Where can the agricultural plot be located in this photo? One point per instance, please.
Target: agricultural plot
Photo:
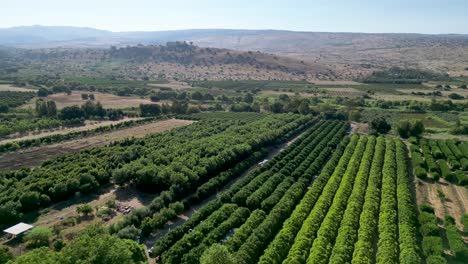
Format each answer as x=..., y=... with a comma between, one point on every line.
x=107, y=100
x=174, y=161
x=35, y=156
x=270, y=193
x=441, y=166
x=349, y=202
x=441, y=158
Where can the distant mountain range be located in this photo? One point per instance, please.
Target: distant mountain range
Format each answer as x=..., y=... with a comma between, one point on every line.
x=263, y=40
x=347, y=55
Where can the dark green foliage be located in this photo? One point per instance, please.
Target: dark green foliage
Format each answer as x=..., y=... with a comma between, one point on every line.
x=10, y=99
x=432, y=246
x=46, y=108
x=5, y=255
x=380, y=126
x=404, y=76
x=179, y=160
x=455, y=240
x=408, y=129
x=150, y=110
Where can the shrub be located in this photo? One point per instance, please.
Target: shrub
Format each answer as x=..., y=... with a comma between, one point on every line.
x=38, y=237
x=435, y=260
x=420, y=172
x=426, y=208
x=432, y=245
x=435, y=176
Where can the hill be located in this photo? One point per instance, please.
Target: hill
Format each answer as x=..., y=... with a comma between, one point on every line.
x=175, y=60
x=345, y=55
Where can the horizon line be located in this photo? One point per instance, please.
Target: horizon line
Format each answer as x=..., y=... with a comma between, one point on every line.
x=232, y=29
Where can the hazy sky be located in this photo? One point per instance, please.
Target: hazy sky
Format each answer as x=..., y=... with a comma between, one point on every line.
x=420, y=16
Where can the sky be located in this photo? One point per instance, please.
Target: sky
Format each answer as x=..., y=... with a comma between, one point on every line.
x=373, y=16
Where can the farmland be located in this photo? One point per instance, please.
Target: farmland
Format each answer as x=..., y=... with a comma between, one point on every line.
x=36, y=155
x=175, y=153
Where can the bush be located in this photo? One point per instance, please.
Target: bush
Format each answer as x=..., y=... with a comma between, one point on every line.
x=5, y=255
x=435, y=260
x=420, y=172
x=104, y=212
x=432, y=245
x=426, y=208
x=84, y=209
x=38, y=237
x=455, y=240
x=464, y=221
x=129, y=232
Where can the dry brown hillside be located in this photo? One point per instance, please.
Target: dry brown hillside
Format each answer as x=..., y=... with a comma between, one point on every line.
x=175, y=60
x=349, y=55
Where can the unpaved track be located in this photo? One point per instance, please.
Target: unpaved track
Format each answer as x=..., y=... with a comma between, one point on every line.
x=35, y=156
x=89, y=125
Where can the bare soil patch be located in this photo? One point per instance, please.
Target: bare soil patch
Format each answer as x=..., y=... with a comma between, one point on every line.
x=107, y=100
x=35, y=156
x=454, y=204
x=360, y=128
x=9, y=87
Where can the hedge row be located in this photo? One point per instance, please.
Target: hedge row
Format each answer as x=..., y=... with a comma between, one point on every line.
x=245, y=230
x=342, y=251
x=350, y=196
x=175, y=253
x=387, y=246
x=300, y=249
x=215, y=235
x=251, y=250
x=455, y=240
x=407, y=218
x=368, y=221
x=432, y=245
x=279, y=247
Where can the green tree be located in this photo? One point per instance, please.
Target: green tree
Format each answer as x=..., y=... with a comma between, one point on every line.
x=72, y=112
x=5, y=255
x=38, y=237
x=407, y=129
x=217, y=254
x=197, y=96
x=304, y=107
x=41, y=255
x=96, y=246
x=248, y=98
x=30, y=200
x=84, y=209
x=380, y=126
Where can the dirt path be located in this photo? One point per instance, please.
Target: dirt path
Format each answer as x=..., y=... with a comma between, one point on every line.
x=35, y=156
x=89, y=125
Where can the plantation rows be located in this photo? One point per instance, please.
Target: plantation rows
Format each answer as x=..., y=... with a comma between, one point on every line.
x=176, y=161
x=311, y=204
x=441, y=158
x=9, y=99
x=257, y=204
